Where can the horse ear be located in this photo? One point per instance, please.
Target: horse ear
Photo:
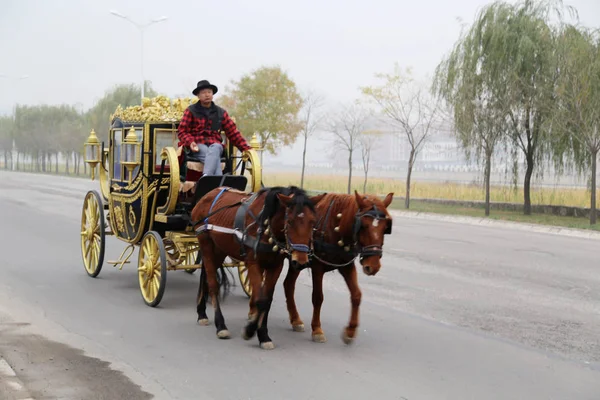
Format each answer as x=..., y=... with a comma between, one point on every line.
x=316, y=199
x=359, y=200
x=285, y=200
x=388, y=199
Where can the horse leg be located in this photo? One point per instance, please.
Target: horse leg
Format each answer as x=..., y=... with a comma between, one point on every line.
x=211, y=261
x=349, y=274
x=317, y=299
x=255, y=282
x=289, y=286
x=255, y=274
x=264, y=306
x=201, y=299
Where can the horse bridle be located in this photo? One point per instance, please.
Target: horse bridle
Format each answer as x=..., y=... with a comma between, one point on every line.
x=363, y=251
x=370, y=250
x=289, y=246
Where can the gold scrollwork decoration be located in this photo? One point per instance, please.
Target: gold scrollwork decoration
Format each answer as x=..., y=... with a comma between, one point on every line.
x=132, y=219
x=119, y=218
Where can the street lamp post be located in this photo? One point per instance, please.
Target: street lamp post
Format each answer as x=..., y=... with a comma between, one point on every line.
x=141, y=28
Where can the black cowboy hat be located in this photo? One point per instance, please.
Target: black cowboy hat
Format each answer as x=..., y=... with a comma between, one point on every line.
x=203, y=85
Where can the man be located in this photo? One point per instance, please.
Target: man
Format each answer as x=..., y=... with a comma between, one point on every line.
x=199, y=130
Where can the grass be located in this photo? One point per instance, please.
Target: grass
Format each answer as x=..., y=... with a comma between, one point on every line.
x=577, y=197
x=503, y=215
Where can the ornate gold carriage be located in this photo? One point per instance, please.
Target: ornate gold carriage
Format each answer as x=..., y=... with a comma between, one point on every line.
x=148, y=190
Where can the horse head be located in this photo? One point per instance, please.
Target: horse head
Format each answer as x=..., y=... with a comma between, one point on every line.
x=371, y=223
x=294, y=223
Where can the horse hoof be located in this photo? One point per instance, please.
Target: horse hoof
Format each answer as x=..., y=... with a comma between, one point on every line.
x=347, y=339
x=267, y=346
x=203, y=322
x=245, y=335
x=298, y=328
x=224, y=334
x=319, y=338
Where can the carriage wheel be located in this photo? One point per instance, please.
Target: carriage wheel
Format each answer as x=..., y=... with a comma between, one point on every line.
x=152, y=268
x=244, y=279
x=92, y=233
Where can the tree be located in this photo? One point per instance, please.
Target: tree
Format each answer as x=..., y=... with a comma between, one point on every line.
x=98, y=117
x=6, y=139
x=266, y=102
x=367, y=140
x=476, y=95
x=408, y=108
x=579, y=101
x=347, y=128
x=310, y=122
x=513, y=46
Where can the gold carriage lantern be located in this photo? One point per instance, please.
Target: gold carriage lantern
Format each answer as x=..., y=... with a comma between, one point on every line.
x=255, y=143
x=92, y=151
x=130, y=156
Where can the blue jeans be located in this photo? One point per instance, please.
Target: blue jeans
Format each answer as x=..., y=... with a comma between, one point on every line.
x=210, y=156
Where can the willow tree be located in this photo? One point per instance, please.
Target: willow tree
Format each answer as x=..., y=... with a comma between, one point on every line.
x=513, y=48
x=578, y=117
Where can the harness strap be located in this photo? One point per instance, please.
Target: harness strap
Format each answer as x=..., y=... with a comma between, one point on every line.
x=215, y=202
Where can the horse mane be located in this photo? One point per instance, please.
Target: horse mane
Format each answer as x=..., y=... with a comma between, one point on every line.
x=344, y=204
x=271, y=205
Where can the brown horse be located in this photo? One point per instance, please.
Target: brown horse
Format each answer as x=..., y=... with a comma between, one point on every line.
x=261, y=229
x=349, y=226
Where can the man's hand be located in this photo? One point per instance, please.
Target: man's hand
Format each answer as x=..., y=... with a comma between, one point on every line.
x=194, y=147
x=245, y=156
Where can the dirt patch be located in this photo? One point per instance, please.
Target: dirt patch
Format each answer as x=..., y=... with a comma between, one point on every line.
x=52, y=370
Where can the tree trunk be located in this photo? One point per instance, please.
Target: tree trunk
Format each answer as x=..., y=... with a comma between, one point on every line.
x=56, y=166
x=349, y=171
x=488, y=170
x=67, y=157
x=593, y=200
x=527, y=184
x=18, y=156
x=6, y=159
x=411, y=161
x=303, y=162
x=365, y=182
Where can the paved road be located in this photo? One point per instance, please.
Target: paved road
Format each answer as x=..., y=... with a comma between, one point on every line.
x=457, y=312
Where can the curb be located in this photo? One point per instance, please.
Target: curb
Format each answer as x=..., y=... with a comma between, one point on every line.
x=554, y=230
x=10, y=384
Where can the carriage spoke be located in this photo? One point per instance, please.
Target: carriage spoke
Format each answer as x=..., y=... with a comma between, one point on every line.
x=156, y=283
x=94, y=257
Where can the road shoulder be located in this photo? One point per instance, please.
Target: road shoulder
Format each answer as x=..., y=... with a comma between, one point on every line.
x=475, y=221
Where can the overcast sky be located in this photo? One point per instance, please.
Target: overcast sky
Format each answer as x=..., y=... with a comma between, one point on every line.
x=73, y=50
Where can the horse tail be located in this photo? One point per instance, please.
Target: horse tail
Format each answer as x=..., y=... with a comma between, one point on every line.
x=224, y=282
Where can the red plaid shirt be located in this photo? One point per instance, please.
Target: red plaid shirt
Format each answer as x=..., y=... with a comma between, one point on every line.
x=192, y=129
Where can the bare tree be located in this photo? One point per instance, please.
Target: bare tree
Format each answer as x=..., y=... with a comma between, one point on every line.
x=347, y=128
x=311, y=120
x=408, y=108
x=367, y=141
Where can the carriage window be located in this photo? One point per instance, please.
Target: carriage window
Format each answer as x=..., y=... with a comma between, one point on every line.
x=115, y=173
x=162, y=139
